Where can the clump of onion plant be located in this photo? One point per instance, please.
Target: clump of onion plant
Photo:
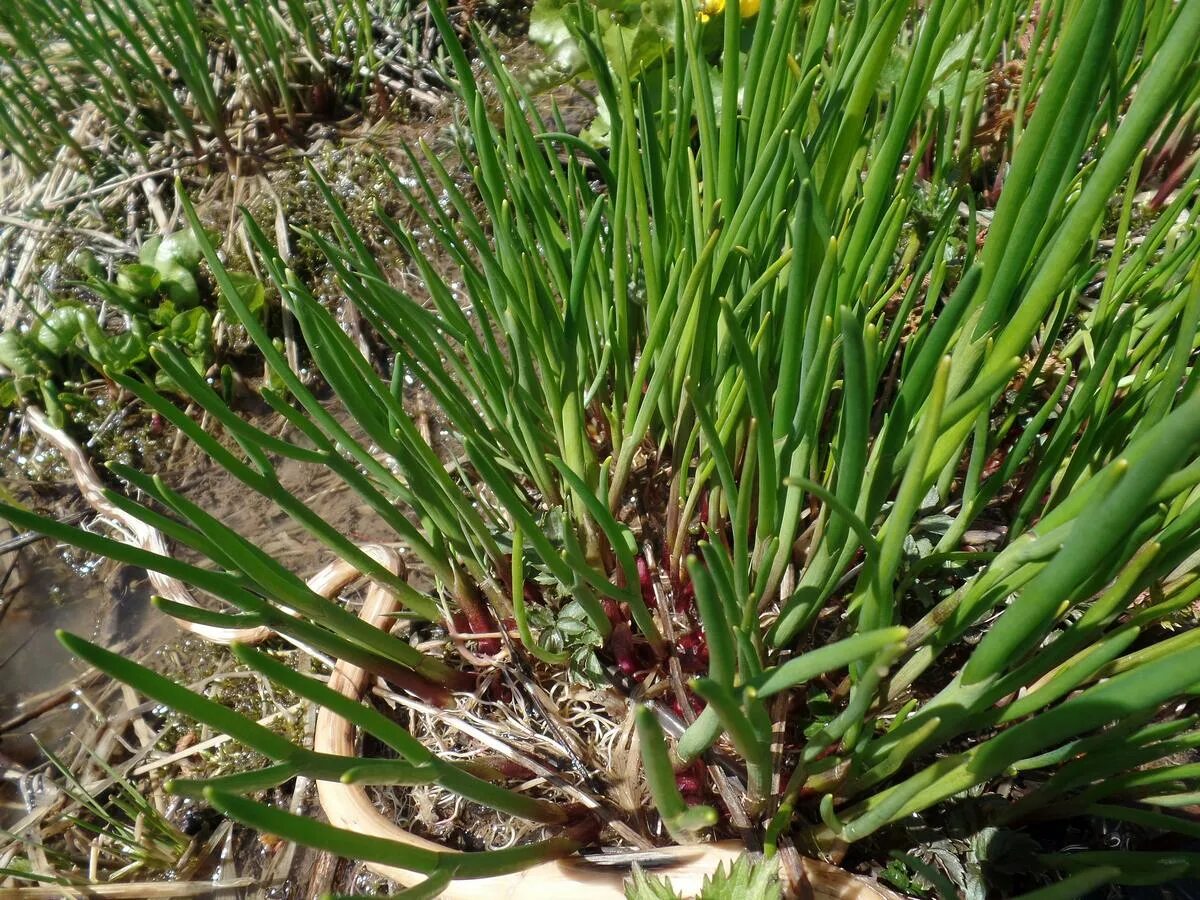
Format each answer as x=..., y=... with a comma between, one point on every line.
x=739, y=392
x=199, y=75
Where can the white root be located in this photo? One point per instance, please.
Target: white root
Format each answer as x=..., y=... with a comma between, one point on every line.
x=134, y=532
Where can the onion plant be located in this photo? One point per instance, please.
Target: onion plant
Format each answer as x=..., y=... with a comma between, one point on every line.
x=751, y=372
x=151, y=68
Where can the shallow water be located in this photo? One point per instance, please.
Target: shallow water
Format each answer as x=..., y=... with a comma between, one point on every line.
x=52, y=589
x=96, y=600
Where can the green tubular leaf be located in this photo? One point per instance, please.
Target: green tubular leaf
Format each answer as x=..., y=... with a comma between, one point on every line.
x=239, y=554
x=1076, y=671
x=1147, y=819
x=200, y=616
x=501, y=484
x=1185, y=337
x=744, y=283
x=857, y=525
x=1173, y=800
x=175, y=363
x=718, y=630
x=1081, y=884
x=621, y=540
x=1093, y=538
x=221, y=718
x=1127, y=732
x=278, y=365
x=660, y=776
x=389, y=772
x=1153, y=97
x=433, y=886
x=450, y=777
x=700, y=735
x=879, y=577
x=355, y=845
x=1099, y=770
x=520, y=612
x=827, y=659
x=664, y=338
x=1047, y=151
x=852, y=114
x=219, y=584
x=715, y=446
x=1127, y=694
x=1135, y=867
x=848, y=725
x=241, y=783
x=693, y=819
x=753, y=745
x=577, y=144
x=856, y=412
x=155, y=686
x=760, y=408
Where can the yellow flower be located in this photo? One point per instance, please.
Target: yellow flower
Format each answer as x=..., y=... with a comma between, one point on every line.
x=710, y=8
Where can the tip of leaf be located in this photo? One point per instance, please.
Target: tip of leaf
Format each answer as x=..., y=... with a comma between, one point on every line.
x=72, y=642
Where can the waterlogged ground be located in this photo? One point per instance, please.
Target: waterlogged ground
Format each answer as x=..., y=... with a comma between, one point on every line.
x=61, y=590
x=49, y=700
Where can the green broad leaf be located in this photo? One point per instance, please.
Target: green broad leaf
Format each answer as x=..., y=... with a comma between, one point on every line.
x=747, y=879
x=58, y=331
x=8, y=393
x=54, y=407
x=87, y=264
x=642, y=886
x=251, y=291
x=192, y=330
x=572, y=632
x=179, y=284
x=118, y=297
x=950, y=67
x=633, y=35
x=548, y=30
x=599, y=130
x=638, y=38
x=180, y=248
x=162, y=314
x=148, y=251
x=139, y=281
x=17, y=356
x=123, y=352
